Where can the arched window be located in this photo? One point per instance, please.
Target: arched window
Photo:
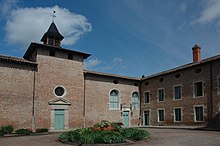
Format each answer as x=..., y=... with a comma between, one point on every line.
x=135, y=100
x=114, y=100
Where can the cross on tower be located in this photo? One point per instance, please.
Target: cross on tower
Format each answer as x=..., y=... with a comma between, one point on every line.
x=53, y=15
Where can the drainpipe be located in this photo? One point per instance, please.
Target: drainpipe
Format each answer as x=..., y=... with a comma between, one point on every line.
x=140, y=94
x=211, y=98
x=84, y=101
x=33, y=105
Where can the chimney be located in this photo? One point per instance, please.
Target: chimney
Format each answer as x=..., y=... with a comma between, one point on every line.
x=196, y=53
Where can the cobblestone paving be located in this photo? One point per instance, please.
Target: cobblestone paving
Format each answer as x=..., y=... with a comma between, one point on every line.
x=159, y=137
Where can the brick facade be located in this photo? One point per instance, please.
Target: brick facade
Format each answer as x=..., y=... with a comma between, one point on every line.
x=50, y=86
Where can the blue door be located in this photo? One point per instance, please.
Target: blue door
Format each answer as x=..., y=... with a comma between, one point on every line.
x=59, y=119
x=125, y=118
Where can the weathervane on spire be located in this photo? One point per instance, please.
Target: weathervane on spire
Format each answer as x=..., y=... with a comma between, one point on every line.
x=53, y=15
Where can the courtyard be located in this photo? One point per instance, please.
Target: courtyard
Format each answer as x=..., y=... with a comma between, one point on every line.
x=165, y=137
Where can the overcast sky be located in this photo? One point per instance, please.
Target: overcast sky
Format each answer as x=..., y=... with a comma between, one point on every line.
x=126, y=37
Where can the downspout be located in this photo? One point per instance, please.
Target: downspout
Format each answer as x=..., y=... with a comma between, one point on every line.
x=84, y=101
x=211, y=98
x=140, y=94
x=33, y=105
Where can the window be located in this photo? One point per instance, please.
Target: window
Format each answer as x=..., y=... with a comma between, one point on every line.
x=219, y=85
x=160, y=93
x=160, y=113
x=114, y=100
x=177, y=115
x=198, y=113
x=177, y=92
x=135, y=100
x=59, y=91
x=147, y=97
x=198, y=89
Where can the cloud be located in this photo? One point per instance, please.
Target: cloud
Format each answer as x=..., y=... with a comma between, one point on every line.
x=211, y=12
x=7, y=5
x=25, y=25
x=92, y=63
x=183, y=7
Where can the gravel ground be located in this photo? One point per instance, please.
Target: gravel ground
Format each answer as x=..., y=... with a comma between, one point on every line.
x=159, y=137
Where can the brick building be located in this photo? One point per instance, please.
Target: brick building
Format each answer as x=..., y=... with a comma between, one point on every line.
x=49, y=88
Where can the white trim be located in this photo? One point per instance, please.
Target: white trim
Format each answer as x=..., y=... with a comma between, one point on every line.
x=149, y=97
x=158, y=114
x=158, y=94
x=119, y=99
x=138, y=100
x=202, y=89
x=195, y=112
x=181, y=90
x=174, y=114
x=64, y=94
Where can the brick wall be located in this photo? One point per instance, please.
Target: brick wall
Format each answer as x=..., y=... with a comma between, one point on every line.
x=16, y=94
x=187, y=79
x=97, y=93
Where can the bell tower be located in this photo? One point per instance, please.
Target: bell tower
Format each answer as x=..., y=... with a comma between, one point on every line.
x=52, y=36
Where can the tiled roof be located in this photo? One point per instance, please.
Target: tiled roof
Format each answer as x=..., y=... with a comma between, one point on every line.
x=15, y=59
x=110, y=75
x=183, y=67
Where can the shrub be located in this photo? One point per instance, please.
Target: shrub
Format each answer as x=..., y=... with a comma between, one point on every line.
x=41, y=130
x=23, y=131
x=1, y=133
x=117, y=127
x=7, y=129
x=89, y=136
x=135, y=134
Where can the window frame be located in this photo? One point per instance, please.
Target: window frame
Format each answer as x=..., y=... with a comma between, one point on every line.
x=174, y=93
x=117, y=108
x=158, y=95
x=136, y=102
x=158, y=115
x=203, y=115
x=148, y=97
x=174, y=114
x=194, y=89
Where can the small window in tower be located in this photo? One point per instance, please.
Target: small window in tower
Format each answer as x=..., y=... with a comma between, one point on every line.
x=57, y=43
x=52, y=52
x=146, y=83
x=50, y=41
x=115, y=81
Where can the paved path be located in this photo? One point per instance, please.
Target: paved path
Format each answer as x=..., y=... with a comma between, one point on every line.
x=160, y=137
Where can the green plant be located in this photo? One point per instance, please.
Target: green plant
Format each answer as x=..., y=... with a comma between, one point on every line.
x=117, y=127
x=7, y=129
x=41, y=130
x=90, y=136
x=23, y=131
x=1, y=133
x=135, y=134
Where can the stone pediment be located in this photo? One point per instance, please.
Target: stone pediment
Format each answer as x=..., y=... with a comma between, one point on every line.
x=59, y=101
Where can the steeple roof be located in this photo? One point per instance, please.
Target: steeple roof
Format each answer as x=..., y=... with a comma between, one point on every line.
x=52, y=32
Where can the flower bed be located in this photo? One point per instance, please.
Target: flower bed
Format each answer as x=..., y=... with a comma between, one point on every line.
x=103, y=133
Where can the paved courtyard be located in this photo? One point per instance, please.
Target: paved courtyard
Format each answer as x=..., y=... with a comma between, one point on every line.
x=159, y=137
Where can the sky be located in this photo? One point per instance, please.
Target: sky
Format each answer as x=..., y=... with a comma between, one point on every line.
x=125, y=37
